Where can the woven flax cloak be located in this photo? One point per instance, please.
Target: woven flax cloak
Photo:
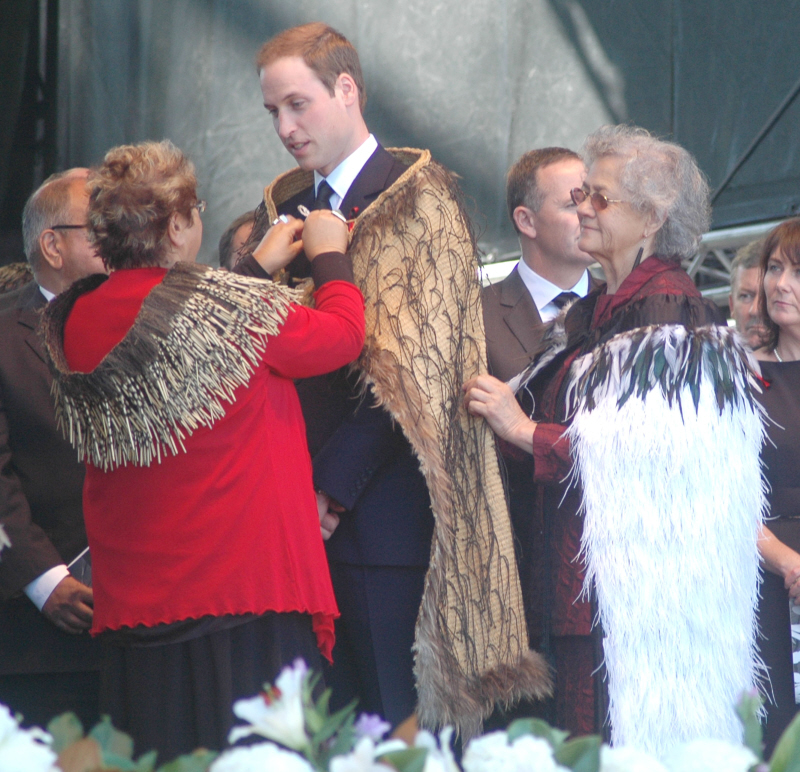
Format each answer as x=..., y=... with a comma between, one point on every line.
x=414, y=259
x=666, y=439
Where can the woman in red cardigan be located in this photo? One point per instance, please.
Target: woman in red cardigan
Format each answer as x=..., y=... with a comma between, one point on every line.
x=175, y=384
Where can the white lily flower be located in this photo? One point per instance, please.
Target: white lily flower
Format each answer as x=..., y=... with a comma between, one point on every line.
x=628, y=760
x=709, y=756
x=440, y=755
x=361, y=758
x=278, y=713
x=24, y=750
x=257, y=758
x=493, y=753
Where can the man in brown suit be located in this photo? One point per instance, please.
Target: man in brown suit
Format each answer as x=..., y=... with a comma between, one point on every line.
x=551, y=269
x=551, y=272
x=48, y=663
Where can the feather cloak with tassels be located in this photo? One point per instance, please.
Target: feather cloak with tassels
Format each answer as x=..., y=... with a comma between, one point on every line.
x=414, y=259
x=665, y=437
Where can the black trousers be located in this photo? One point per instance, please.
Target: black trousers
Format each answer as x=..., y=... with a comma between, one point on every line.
x=373, y=658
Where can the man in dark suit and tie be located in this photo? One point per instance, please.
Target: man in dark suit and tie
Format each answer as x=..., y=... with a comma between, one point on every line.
x=381, y=459
x=48, y=663
x=373, y=501
x=552, y=268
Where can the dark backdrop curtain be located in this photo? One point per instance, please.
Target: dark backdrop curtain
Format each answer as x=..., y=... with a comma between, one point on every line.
x=16, y=137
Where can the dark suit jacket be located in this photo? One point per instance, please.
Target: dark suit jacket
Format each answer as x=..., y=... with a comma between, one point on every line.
x=360, y=458
x=41, y=486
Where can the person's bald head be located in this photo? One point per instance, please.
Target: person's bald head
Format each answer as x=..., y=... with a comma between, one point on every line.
x=54, y=231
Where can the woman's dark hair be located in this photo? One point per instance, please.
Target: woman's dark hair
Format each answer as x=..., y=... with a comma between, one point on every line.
x=786, y=238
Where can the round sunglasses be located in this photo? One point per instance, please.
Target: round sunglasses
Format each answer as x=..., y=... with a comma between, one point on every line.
x=599, y=201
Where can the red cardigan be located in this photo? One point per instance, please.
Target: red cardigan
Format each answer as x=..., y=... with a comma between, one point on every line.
x=230, y=526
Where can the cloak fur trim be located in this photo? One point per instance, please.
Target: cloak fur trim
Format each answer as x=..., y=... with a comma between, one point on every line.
x=666, y=437
x=198, y=337
x=13, y=276
x=414, y=259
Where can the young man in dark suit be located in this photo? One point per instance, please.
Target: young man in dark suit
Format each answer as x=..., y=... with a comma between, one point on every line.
x=389, y=442
x=373, y=501
x=48, y=663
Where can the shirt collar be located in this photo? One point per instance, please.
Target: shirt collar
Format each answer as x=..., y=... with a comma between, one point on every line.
x=341, y=178
x=48, y=296
x=543, y=291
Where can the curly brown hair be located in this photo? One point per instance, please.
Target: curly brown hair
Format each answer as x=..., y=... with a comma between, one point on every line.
x=132, y=196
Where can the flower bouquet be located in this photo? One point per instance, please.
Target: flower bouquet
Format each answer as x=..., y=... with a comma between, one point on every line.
x=300, y=734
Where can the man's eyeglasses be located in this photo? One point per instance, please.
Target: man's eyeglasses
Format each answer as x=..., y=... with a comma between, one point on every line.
x=201, y=206
x=66, y=227
x=599, y=201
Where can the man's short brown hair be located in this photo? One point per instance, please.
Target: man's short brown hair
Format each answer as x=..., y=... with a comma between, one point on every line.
x=324, y=50
x=748, y=256
x=522, y=188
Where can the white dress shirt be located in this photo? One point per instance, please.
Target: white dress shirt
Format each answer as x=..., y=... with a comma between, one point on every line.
x=341, y=178
x=543, y=291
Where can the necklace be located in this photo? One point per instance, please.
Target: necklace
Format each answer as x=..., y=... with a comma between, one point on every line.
x=777, y=355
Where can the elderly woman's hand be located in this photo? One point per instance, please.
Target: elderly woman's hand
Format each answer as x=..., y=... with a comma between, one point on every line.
x=780, y=559
x=792, y=582
x=324, y=232
x=281, y=244
x=491, y=398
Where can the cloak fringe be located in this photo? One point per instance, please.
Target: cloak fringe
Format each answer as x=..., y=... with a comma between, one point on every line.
x=199, y=336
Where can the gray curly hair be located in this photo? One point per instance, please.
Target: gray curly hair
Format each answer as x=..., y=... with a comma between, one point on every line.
x=659, y=177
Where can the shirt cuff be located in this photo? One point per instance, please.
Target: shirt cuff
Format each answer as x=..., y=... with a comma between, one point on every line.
x=40, y=589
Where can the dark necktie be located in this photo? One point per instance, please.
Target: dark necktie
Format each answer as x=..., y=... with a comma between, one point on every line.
x=323, y=197
x=559, y=301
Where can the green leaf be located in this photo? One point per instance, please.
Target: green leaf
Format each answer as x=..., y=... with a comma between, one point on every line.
x=147, y=762
x=112, y=741
x=581, y=754
x=537, y=728
x=199, y=761
x=118, y=763
x=786, y=757
x=747, y=709
x=65, y=730
x=408, y=760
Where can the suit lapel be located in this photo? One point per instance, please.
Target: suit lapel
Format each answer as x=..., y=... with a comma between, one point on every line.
x=371, y=181
x=521, y=315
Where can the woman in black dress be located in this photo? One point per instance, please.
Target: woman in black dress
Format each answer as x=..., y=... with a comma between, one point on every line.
x=780, y=366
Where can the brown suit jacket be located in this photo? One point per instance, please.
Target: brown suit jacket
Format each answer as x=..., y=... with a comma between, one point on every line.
x=513, y=325
x=41, y=485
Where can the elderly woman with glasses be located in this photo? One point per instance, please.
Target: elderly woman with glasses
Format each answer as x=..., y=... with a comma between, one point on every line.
x=175, y=384
x=637, y=413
